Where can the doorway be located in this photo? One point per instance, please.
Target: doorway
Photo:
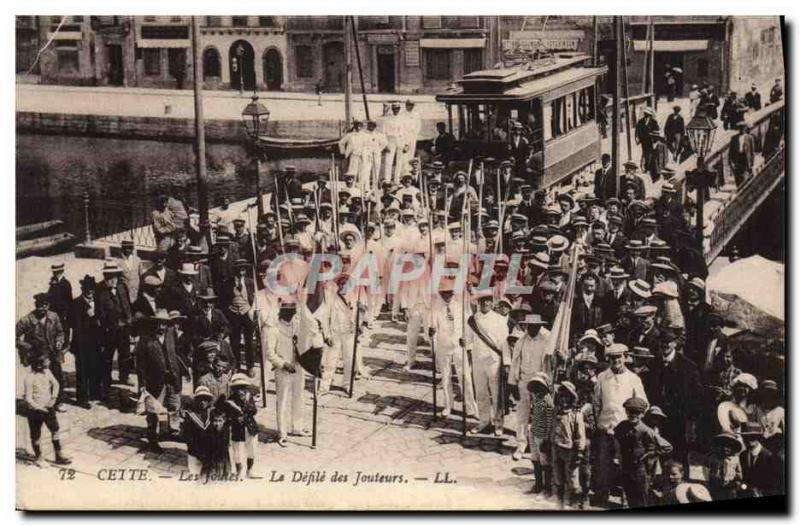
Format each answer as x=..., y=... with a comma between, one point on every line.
x=176, y=62
x=662, y=60
x=386, y=69
x=241, y=61
x=273, y=70
x=116, y=73
x=333, y=58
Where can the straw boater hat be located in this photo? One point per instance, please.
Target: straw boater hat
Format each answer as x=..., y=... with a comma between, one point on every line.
x=640, y=287
x=533, y=319
x=634, y=244
x=203, y=392
x=187, y=269
x=616, y=349
x=645, y=310
x=618, y=273
x=242, y=380
x=591, y=336
x=568, y=198
x=110, y=267
x=175, y=316
x=160, y=315
x=540, y=260
x=240, y=263
x=690, y=492
x=208, y=296
x=642, y=352
x=666, y=288
x=558, y=243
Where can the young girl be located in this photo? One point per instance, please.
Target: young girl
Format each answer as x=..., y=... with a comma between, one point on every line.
x=216, y=448
x=241, y=410
x=40, y=394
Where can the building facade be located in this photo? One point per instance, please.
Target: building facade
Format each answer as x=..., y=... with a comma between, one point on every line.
x=397, y=54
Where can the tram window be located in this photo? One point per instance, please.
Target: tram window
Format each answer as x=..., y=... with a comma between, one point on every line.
x=569, y=112
x=586, y=105
x=547, y=116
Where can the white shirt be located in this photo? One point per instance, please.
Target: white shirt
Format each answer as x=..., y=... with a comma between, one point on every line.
x=529, y=356
x=610, y=392
x=495, y=327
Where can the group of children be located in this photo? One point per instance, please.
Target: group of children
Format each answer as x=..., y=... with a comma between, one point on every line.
x=745, y=459
x=220, y=430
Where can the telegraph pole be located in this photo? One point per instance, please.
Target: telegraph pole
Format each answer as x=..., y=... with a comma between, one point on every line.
x=200, y=133
x=615, y=109
x=348, y=74
x=626, y=94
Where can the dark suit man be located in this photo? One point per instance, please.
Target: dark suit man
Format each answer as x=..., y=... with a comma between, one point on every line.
x=761, y=469
x=237, y=302
x=603, y=188
x=60, y=293
x=753, y=98
x=183, y=297
x=114, y=312
x=674, y=129
x=519, y=149
x=676, y=380
x=221, y=266
x=41, y=331
x=587, y=309
x=208, y=318
x=166, y=275
x=631, y=178
x=741, y=154
x=159, y=372
x=86, y=343
x=615, y=238
x=644, y=128
x=696, y=319
x=634, y=264
x=646, y=334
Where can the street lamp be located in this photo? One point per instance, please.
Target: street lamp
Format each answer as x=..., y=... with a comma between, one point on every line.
x=701, y=131
x=255, y=117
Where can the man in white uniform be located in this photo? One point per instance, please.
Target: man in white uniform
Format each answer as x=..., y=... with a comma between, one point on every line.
x=394, y=127
x=295, y=333
x=487, y=336
x=447, y=329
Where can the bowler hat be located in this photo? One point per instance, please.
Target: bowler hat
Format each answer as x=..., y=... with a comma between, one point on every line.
x=88, y=282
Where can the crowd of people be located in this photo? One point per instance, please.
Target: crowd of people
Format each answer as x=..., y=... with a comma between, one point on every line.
x=643, y=376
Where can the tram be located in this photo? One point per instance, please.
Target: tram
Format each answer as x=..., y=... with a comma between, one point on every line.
x=552, y=98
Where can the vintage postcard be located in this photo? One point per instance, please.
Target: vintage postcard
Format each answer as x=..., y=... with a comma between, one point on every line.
x=400, y=262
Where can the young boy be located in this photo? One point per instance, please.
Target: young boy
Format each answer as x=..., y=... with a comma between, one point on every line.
x=216, y=447
x=41, y=394
x=584, y=376
x=541, y=423
x=569, y=444
x=724, y=468
x=638, y=445
x=241, y=411
x=194, y=426
x=218, y=379
x=666, y=494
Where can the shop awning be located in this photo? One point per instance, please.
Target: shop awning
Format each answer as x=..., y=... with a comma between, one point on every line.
x=672, y=45
x=65, y=35
x=452, y=43
x=163, y=42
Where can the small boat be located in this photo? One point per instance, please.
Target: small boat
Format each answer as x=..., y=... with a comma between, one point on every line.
x=38, y=229
x=288, y=143
x=45, y=245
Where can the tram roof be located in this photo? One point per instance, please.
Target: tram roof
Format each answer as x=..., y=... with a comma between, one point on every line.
x=521, y=82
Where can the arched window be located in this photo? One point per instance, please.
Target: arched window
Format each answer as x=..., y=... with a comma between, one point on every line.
x=211, y=65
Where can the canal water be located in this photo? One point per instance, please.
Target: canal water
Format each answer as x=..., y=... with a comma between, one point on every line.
x=123, y=178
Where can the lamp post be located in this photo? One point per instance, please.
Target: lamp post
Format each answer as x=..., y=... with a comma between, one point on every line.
x=255, y=117
x=701, y=131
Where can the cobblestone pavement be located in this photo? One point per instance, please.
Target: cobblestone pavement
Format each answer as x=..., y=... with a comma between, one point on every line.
x=386, y=426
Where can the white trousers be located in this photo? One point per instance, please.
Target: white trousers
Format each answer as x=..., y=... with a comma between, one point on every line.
x=418, y=317
x=243, y=450
x=487, y=391
x=289, y=400
x=523, y=414
x=445, y=359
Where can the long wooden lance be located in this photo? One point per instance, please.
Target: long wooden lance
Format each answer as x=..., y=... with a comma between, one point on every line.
x=358, y=307
x=430, y=292
x=255, y=307
x=463, y=340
